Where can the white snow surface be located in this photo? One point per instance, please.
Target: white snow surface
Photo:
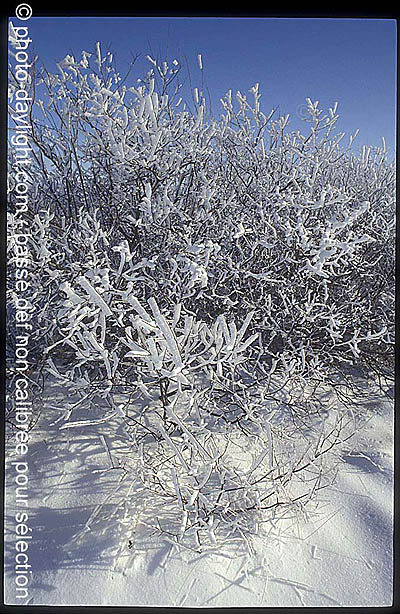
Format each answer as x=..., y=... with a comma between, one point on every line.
x=340, y=556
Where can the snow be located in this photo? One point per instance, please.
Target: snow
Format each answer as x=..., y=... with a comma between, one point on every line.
x=92, y=544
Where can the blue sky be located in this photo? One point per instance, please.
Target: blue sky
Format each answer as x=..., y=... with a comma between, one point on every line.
x=351, y=61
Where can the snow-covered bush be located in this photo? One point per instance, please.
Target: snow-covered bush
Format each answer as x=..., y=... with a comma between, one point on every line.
x=207, y=268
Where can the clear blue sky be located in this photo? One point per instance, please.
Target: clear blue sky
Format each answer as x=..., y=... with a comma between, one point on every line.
x=352, y=61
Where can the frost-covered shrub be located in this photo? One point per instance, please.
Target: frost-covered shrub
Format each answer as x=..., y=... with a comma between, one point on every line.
x=206, y=268
x=231, y=216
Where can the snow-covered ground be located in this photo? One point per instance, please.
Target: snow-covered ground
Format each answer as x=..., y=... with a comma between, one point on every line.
x=90, y=544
